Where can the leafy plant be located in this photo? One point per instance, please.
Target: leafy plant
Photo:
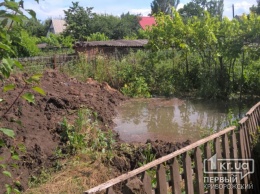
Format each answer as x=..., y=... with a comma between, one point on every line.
x=84, y=135
x=96, y=37
x=137, y=88
x=12, y=14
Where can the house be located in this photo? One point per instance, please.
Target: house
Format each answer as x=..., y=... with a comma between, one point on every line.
x=108, y=48
x=57, y=26
x=147, y=21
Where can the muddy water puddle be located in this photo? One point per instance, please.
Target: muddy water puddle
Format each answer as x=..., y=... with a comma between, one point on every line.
x=174, y=120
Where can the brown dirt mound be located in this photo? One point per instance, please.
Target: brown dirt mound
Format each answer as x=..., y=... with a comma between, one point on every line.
x=35, y=124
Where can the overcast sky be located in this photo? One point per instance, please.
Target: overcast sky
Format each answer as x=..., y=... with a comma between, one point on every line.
x=54, y=8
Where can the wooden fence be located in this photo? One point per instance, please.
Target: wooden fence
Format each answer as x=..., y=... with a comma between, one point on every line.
x=191, y=169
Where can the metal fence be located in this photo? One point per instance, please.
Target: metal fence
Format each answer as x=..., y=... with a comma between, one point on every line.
x=47, y=61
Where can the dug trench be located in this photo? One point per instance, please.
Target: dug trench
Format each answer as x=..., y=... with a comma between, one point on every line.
x=36, y=125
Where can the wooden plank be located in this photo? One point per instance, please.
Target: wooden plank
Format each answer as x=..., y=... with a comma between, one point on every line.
x=248, y=142
x=110, y=191
x=188, y=173
x=217, y=150
x=207, y=151
x=226, y=152
x=242, y=152
x=258, y=115
x=175, y=177
x=253, y=108
x=199, y=171
x=147, y=183
x=250, y=131
x=161, y=180
x=157, y=162
x=234, y=155
x=247, y=150
x=252, y=121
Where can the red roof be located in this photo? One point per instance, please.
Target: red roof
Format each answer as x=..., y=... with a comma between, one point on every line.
x=146, y=21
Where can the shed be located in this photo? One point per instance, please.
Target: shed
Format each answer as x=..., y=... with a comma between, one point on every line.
x=109, y=48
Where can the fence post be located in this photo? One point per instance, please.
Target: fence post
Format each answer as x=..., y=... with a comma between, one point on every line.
x=207, y=151
x=199, y=171
x=188, y=173
x=218, y=155
x=175, y=176
x=146, y=179
x=234, y=154
x=54, y=61
x=226, y=150
x=161, y=179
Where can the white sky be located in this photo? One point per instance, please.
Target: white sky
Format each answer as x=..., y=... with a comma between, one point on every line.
x=54, y=8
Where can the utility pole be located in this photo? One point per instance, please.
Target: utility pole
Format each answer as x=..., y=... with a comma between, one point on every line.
x=233, y=10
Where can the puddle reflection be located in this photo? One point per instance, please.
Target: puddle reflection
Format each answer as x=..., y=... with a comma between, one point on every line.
x=172, y=119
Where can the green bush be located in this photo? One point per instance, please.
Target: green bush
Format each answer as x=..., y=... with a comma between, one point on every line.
x=137, y=88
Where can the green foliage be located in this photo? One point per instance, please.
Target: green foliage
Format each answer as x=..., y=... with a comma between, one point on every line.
x=202, y=55
x=8, y=132
x=84, y=135
x=128, y=26
x=40, y=179
x=164, y=6
x=212, y=52
x=256, y=8
x=82, y=23
x=28, y=46
x=36, y=28
x=72, y=135
x=137, y=88
x=79, y=21
x=96, y=37
x=105, y=24
x=57, y=40
x=147, y=154
x=197, y=8
x=14, y=42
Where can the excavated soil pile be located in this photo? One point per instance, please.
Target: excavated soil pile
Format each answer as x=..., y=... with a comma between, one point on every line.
x=36, y=125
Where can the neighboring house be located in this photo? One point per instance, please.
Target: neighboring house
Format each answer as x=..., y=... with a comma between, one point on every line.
x=147, y=21
x=109, y=48
x=57, y=26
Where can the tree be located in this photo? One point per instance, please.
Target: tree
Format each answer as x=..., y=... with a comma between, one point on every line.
x=216, y=8
x=164, y=6
x=36, y=28
x=256, y=9
x=79, y=21
x=193, y=8
x=128, y=26
x=197, y=8
x=82, y=22
x=105, y=24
